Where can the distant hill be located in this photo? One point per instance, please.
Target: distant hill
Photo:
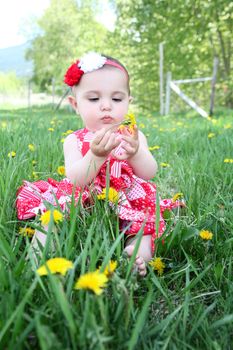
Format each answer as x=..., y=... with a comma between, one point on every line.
x=13, y=59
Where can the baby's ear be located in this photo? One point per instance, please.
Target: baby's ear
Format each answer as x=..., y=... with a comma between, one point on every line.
x=73, y=102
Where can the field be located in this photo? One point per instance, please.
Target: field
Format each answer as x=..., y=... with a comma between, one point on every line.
x=189, y=305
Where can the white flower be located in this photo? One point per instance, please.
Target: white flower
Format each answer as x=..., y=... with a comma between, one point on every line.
x=91, y=61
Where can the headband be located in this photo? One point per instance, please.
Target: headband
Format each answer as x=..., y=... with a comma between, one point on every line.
x=88, y=63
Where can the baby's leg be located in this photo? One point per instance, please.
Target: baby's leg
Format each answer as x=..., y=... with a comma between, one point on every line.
x=143, y=254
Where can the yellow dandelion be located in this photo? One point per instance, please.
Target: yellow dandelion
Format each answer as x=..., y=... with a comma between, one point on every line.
x=27, y=231
x=52, y=122
x=4, y=125
x=206, y=235
x=31, y=147
x=129, y=121
x=179, y=123
x=11, y=154
x=142, y=126
x=153, y=148
x=61, y=170
x=165, y=165
x=51, y=129
x=34, y=175
x=34, y=162
x=55, y=265
x=62, y=140
x=110, y=268
x=177, y=196
x=227, y=126
x=158, y=265
x=94, y=281
x=67, y=132
x=211, y=134
x=228, y=160
x=214, y=121
x=113, y=195
x=54, y=215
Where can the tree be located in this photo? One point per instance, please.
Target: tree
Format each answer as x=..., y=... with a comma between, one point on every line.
x=68, y=30
x=193, y=32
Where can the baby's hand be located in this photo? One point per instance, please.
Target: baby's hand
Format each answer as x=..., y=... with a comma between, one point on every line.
x=131, y=144
x=104, y=142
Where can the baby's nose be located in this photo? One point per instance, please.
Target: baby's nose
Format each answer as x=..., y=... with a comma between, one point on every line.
x=106, y=105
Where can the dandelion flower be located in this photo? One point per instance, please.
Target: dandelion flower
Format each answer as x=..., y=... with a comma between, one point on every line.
x=157, y=265
x=51, y=129
x=55, y=265
x=26, y=231
x=93, y=281
x=55, y=215
x=113, y=195
x=165, y=165
x=61, y=170
x=211, y=134
x=206, y=235
x=152, y=148
x=110, y=268
x=228, y=160
x=12, y=154
x=34, y=175
x=67, y=132
x=34, y=162
x=129, y=121
x=31, y=147
x=4, y=125
x=227, y=126
x=142, y=126
x=62, y=140
x=177, y=196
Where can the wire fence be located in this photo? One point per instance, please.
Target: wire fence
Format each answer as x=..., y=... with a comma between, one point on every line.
x=28, y=96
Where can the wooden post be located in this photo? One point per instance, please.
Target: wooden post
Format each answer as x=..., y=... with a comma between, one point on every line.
x=29, y=94
x=168, y=93
x=161, y=78
x=188, y=100
x=53, y=92
x=213, y=82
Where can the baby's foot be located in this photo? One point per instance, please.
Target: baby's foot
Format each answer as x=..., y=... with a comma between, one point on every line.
x=139, y=264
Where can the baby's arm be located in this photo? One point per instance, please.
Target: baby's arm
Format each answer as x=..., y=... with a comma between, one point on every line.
x=138, y=155
x=82, y=170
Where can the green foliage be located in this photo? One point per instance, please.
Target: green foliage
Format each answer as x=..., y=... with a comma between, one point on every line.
x=188, y=307
x=10, y=83
x=68, y=30
x=192, y=33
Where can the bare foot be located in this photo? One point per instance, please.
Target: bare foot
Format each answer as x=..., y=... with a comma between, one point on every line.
x=139, y=264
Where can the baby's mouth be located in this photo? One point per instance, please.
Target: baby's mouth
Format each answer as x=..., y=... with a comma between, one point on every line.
x=107, y=119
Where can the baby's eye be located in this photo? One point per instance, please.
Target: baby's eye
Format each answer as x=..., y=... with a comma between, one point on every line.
x=93, y=99
x=117, y=99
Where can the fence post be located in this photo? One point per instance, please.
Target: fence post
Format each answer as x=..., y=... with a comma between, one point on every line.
x=168, y=93
x=29, y=93
x=161, y=78
x=213, y=82
x=53, y=91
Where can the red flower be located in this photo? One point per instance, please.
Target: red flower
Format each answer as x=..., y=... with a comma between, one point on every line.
x=73, y=74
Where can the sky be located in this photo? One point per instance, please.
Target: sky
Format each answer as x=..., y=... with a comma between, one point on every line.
x=15, y=16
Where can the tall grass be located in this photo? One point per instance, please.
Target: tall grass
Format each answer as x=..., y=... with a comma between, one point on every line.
x=188, y=307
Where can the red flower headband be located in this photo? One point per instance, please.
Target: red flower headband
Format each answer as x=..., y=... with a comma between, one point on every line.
x=89, y=63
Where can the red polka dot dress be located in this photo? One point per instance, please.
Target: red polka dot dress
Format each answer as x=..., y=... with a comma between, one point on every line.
x=136, y=206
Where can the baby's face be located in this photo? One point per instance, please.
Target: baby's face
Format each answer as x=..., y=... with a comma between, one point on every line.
x=102, y=97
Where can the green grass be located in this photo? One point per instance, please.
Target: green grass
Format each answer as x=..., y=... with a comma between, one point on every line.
x=189, y=307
